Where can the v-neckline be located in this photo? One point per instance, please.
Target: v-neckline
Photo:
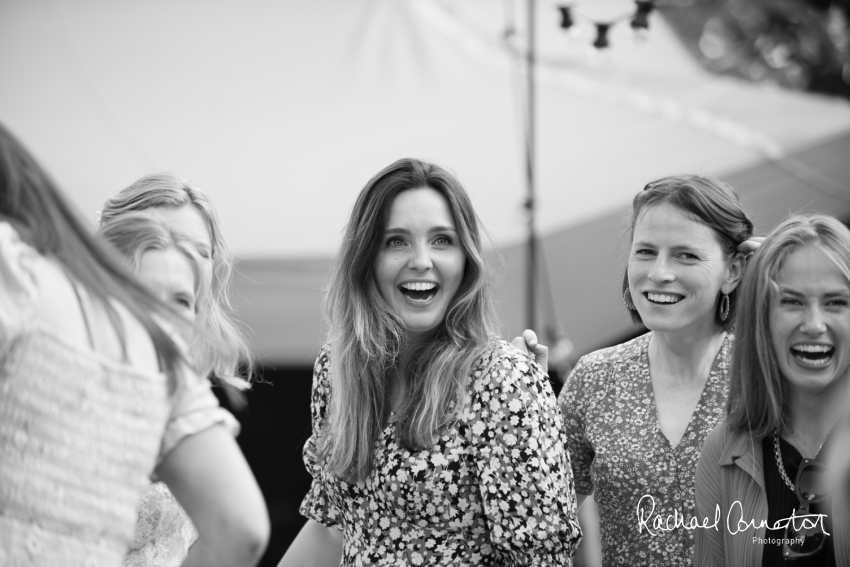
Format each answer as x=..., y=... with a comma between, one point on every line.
x=654, y=405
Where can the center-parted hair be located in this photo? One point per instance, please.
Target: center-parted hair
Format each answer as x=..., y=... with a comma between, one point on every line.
x=366, y=337
x=706, y=200
x=757, y=391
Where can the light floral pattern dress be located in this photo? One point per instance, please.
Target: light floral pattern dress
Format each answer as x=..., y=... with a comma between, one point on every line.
x=620, y=455
x=164, y=533
x=495, y=490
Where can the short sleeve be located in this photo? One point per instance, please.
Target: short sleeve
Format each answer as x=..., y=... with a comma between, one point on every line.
x=524, y=470
x=18, y=288
x=316, y=504
x=574, y=399
x=194, y=409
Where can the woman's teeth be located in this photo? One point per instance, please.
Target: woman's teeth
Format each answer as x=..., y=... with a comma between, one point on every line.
x=813, y=355
x=663, y=298
x=418, y=291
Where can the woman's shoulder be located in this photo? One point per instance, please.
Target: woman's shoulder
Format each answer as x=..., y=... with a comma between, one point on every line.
x=56, y=304
x=721, y=437
x=504, y=365
x=622, y=353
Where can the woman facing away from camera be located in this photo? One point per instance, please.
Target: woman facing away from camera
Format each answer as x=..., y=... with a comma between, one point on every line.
x=636, y=414
x=790, y=381
x=169, y=264
x=89, y=384
x=433, y=442
x=163, y=531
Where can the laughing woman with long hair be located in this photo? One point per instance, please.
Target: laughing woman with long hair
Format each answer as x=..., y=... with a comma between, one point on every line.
x=789, y=386
x=433, y=443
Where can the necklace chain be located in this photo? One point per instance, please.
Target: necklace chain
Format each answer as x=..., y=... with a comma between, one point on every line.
x=778, y=452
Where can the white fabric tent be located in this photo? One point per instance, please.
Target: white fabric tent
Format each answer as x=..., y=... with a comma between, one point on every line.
x=282, y=110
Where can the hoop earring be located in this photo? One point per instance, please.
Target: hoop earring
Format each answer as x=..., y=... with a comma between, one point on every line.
x=724, y=307
x=627, y=299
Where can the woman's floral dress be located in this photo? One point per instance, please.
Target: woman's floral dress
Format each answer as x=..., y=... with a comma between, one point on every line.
x=620, y=455
x=496, y=489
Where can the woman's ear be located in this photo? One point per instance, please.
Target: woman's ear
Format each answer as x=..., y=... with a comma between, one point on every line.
x=736, y=272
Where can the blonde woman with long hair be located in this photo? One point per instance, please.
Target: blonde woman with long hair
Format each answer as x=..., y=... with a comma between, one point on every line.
x=789, y=386
x=163, y=212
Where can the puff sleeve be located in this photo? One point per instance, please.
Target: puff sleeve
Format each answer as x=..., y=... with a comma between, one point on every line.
x=524, y=470
x=574, y=401
x=317, y=504
x=194, y=408
x=18, y=289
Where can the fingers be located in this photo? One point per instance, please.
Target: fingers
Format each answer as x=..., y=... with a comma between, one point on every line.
x=751, y=245
x=519, y=342
x=530, y=337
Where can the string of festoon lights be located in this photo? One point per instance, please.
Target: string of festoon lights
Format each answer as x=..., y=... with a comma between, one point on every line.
x=638, y=20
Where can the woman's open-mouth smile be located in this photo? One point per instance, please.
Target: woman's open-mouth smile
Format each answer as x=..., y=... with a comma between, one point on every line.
x=813, y=355
x=419, y=293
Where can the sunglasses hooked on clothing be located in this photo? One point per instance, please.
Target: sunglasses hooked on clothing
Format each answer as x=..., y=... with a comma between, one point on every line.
x=811, y=487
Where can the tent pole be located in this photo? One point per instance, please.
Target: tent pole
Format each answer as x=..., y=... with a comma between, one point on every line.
x=531, y=261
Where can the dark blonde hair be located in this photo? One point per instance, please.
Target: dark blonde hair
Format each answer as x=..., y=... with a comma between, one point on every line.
x=45, y=220
x=133, y=234
x=367, y=337
x=234, y=362
x=757, y=391
x=707, y=200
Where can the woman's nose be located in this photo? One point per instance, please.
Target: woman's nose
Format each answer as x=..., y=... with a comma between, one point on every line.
x=420, y=258
x=661, y=271
x=813, y=323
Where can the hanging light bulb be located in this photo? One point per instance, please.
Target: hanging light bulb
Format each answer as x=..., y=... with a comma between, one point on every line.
x=641, y=18
x=567, y=20
x=601, y=41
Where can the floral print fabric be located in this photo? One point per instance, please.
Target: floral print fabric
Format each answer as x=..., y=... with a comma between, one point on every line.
x=620, y=455
x=164, y=531
x=495, y=490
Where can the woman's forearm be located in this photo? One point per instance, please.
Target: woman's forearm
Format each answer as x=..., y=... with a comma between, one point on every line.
x=315, y=546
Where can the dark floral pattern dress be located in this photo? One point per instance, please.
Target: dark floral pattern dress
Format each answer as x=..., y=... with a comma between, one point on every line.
x=495, y=490
x=620, y=455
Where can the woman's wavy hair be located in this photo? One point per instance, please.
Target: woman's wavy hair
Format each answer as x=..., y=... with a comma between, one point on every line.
x=233, y=365
x=134, y=234
x=367, y=338
x=34, y=205
x=707, y=200
x=758, y=393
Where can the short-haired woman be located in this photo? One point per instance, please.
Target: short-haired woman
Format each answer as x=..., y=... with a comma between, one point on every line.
x=636, y=414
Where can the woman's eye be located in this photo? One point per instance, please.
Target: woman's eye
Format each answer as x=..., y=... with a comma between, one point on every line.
x=443, y=241
x=644, y=252
x=183, y=302
x=837, y=303
x=789, y=301
x=689, y=256
x=395, y=242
